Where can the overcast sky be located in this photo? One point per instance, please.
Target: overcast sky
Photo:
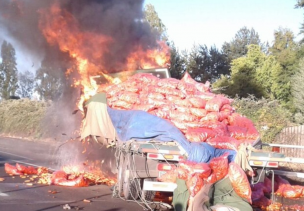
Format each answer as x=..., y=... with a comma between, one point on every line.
x=216, y=21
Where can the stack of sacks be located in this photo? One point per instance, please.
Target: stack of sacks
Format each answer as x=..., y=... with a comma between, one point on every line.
x=201, y=115
x=197, y=174
x=262, y=190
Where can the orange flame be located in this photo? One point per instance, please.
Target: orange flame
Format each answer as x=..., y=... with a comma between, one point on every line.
x=60, y=28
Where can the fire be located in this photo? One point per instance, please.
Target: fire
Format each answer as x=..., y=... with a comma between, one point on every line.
x=90, y=51
x=87, y=49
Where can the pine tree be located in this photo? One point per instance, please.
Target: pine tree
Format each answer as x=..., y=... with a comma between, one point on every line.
x=8, y=71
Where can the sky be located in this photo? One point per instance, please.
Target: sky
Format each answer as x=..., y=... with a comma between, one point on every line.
x=210, y=22
x=213, y=22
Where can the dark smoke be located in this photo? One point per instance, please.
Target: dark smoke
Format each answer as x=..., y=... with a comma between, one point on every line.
x=119, y=19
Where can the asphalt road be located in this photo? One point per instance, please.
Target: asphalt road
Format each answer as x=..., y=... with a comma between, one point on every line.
x=16, y=195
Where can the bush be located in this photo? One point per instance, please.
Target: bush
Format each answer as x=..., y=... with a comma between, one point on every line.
x=268, y=116
x=22, y=117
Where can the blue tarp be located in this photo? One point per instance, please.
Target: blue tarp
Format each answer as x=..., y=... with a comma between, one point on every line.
x=142, y=126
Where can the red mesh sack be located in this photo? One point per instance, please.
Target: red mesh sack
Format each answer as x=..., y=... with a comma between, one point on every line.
x=188, y=79
x=157, y=103
x=224, y=142
x=170, y=91
x=193, y=137
x=219, y=127
x=172, y=98
x=169, y=176
x=145, y=77
x=182, y=109
x=168, y=82
x=263, y=202
x=281, y=183
x=202, y=169
x=9, y=169
x=239, y=181
x=160, y=113
x=290, y=192
x=205, y=133
x=194, y=184
x=78, y=182
x=30, y=170
x=259, y=186
x=257, y=194
x=197, y=102
x=267, y=185
x=212, y=178
x=180, y=116
x=299, y=189
x=204, y=95
x=181, y=102
x=113, y=90
x=129, y=97
x=132, y=88
x=237, y=132
x=212, y=117
x=216, y=103
x=143, y=107
x=120, y=104
x=182, y=172
x=224, y=115
x=155, y=95
x=203, y=87
x=227, y=107
x=187, y=87
x=198, y=112
x=219, y=167
x=194, y=124
x=179, y=124
x=57, y=176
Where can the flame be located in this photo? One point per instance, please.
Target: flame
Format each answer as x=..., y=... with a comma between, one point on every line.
x=87, y=49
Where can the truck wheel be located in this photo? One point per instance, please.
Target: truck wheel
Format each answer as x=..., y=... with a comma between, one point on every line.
x=148, y=195
x=131, y=185
x=120, y=174
x=130, y=189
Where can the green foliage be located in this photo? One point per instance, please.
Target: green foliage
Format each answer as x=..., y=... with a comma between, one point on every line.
x=155, y=22
x=205, y=64
x=255, y=74
x=177, y=62
x=298, y=92
x=238, y=46
x=8, y=71
x=268, y=116
x=22, y=117
x=49, y=83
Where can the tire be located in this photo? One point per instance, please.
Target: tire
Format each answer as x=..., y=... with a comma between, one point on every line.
x=120, y=174
x=147, y=195
x=131, y=186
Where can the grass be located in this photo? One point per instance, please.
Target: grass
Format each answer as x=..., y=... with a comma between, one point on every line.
x=22, y=118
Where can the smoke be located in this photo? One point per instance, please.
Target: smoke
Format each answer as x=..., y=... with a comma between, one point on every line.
x=119, y=20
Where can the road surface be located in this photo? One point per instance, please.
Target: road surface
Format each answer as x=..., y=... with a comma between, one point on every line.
x=16, y=195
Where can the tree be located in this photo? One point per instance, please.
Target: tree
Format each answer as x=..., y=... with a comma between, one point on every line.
x=300, y=4
x=8, y=71
x=255, y=74
x=206, y=64
x=49, y=84
x=177, y=62
x=238, y=46
x=298, y=92
x=155, y=22
x=26, y=84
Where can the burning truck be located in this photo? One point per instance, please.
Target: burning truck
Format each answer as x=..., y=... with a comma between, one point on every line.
x=168, y=135
x=172, y=135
